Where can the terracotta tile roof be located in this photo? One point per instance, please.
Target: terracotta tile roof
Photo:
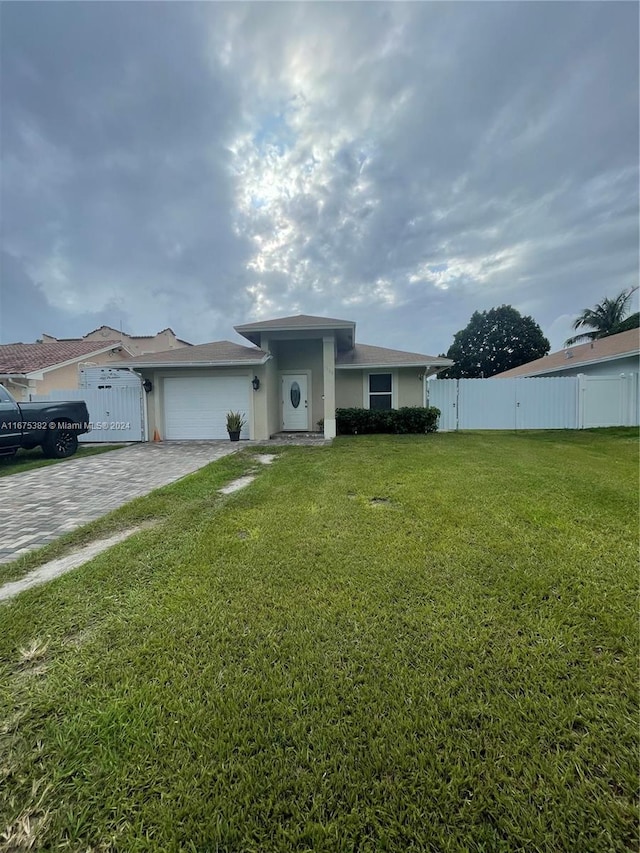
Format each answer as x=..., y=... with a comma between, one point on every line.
x=216, y=352
x=625, y=343
x=367, y=356
x=299, y=321
x=25, y=358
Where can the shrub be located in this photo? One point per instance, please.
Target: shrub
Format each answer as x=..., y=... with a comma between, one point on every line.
x=235, y=421
x=408, y=419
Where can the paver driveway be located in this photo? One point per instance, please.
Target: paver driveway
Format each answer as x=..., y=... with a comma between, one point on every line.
x=38, y=506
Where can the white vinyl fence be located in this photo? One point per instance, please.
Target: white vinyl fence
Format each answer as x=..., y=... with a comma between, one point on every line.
x=568, y=402
x=116, y=414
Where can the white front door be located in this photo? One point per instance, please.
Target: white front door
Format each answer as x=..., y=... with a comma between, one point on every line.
x=295, y=404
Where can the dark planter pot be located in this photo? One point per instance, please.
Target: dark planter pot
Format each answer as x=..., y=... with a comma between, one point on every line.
x=234, y=436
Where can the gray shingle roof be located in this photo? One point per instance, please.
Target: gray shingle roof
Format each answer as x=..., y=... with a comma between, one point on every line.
x=624, y=343
x=26, y=358
x=216, y=352
x=363, y=355
x=299, y=321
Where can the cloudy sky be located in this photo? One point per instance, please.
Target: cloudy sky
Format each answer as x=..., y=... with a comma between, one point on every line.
x=199, y=165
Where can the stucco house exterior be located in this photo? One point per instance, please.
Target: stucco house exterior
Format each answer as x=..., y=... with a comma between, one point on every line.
x=294, y=374
x=52, y=364
x=40, y=368
x=135, y=344
x=608, y=356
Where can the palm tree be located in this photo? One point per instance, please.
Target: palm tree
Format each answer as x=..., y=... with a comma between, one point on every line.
x=602, y=318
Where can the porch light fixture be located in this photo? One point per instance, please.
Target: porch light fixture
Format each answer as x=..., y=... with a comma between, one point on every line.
x=255, y=383
x=147, y=385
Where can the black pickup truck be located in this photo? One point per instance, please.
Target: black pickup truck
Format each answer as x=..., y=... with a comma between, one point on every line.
x=55, y=426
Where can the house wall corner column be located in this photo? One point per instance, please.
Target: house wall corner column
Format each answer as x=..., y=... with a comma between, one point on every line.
x=158, y=420
x=329, y=365
x=261, y=429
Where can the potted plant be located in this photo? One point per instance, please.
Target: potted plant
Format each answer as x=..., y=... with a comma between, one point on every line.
x=235, y=422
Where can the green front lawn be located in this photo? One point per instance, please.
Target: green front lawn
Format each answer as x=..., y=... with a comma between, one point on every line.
x=389, y=644
x=27, y=460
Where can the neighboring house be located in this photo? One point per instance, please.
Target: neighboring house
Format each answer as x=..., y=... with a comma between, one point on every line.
x=52, y=364
x=135, y=344
x=44, y=367
x=608, y=356
x=295, y=374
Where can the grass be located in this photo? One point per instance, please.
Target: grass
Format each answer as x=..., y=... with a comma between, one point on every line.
x=178, y=501
x=27, y=460
x=393, y=643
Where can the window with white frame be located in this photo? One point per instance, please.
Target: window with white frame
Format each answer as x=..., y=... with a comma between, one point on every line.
x=380, y=391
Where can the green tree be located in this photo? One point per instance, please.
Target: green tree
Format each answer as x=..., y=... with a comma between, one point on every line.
x=494, y=341
x=632, y=322
x=603, y=319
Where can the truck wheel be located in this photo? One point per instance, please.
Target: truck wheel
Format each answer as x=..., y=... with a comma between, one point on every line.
x=60, y=443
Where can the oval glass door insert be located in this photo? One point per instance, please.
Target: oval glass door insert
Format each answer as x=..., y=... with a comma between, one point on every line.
x=295, y=395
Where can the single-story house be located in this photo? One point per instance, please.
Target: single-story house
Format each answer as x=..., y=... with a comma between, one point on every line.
x=292, y=377
x=608, y=356
x=40, y=368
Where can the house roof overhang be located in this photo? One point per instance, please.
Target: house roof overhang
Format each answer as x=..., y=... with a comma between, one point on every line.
x=389, y=364
x=212, y=354
x=141, y=364
x=569, y=364
x=367, y=357
x=38, y=373
x=344, y=331
x=17, y=377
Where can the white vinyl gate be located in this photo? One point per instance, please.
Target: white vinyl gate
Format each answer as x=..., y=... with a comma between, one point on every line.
x=609, y=400
x=116, y=414
x=567, y=402
x=105, y=378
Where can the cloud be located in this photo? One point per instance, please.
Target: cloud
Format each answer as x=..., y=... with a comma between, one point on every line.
x=23, y=303
x=122, y=193
x=403, y=165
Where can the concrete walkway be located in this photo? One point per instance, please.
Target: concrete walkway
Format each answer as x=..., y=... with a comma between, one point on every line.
x=55, y=568
x=37, y=507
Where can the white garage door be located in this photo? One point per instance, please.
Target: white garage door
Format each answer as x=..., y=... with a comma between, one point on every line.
x=196, y=407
